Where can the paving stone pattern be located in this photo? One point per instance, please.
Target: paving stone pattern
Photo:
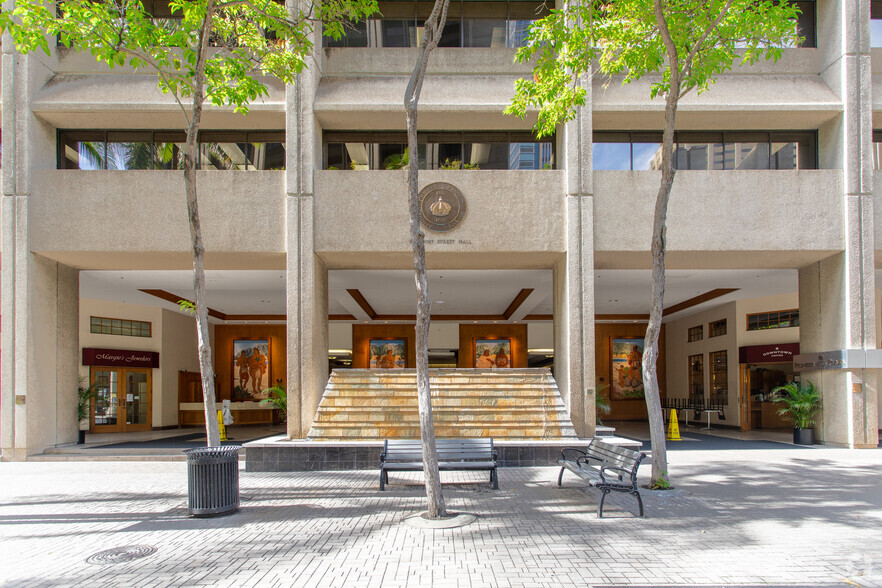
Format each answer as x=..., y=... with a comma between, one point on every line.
x=737, y=518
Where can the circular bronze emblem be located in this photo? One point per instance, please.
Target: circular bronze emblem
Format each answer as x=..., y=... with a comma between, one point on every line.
x=442, y=207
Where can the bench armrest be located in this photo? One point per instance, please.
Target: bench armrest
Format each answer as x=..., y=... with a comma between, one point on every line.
x=625, y=473
x=383, y=457
x=573, y=450
x=585, y=459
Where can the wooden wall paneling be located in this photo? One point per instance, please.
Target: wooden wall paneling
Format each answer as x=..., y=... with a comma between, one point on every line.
x=468, y=334
x=624, y=410
x=224, y=335
x=362, y=335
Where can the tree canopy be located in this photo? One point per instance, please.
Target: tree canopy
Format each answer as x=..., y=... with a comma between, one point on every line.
x=250, y=39
x=624, y=38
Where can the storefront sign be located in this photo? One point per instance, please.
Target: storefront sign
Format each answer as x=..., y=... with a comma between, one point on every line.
x=120, y=358
x=783, y=352
x=841, y=359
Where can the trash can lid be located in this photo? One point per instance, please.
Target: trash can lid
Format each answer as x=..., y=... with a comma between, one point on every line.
x=216, y=451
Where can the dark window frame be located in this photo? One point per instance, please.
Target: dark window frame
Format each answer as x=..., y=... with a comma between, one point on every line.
x=718, y=328
x=460, y=12
x=772, y=320
x=435, y=137
x=120, y=323
x=807, y=141
x=722, y=373
x=105, y=136
x=695, y=334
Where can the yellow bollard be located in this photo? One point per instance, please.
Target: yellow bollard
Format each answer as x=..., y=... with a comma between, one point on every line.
x=673, y=427
x=220, y=425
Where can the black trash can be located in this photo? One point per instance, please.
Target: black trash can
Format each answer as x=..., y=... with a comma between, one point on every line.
x=213, y=480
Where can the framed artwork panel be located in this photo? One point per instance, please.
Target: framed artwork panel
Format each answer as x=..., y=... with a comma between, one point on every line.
x=251, y=369
x=626, y=368
x=492, y=353
x=387, y=354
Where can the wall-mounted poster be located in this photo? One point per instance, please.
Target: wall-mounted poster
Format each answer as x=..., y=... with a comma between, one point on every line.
x=251, y=369
x=387, y=354
x=626, y=359
x=492, y=353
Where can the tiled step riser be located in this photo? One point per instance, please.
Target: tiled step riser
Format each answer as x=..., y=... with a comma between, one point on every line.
x=550, y=403
x=413, y=416
x=443, y=432
x=522, y=404
x=411, y=379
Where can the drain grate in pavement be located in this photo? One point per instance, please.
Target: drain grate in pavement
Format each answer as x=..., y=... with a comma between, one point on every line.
x=120, y=554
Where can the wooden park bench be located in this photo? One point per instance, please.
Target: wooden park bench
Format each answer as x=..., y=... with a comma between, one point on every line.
x=406, y=455
x=607, y=467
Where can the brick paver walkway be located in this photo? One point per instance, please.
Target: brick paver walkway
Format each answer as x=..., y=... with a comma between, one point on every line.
x=788, y=517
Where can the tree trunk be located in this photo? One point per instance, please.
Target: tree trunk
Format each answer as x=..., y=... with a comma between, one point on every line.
x=431, y=35
x=212, y=430
x=659, y=236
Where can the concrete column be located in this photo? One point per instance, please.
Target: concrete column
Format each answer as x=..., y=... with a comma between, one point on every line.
x=574, y=279
x=39, y=405
x=307, y=287
x=836, y=295
x=831, y=318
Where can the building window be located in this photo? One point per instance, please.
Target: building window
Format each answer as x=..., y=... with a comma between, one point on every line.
x=163, y=150
x=807, y=23
x=441, y=150
x=876, y=24
x=696, y=333
x=719, y=377
x=716, y=328
x=469, y=24
x=780, y=319
x=707, y=150
x=877, y=143
x=112, y=326
x=696, y=378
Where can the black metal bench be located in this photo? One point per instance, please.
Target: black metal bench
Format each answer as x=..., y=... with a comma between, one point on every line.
x=607, y=467
x=406, y=455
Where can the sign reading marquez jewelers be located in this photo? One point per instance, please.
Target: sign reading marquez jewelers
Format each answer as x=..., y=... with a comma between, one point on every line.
x=120, y=358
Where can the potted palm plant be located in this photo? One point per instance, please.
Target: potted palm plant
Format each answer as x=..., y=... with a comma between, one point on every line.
x=801, y=402
x=84, y=399
x=277, y=398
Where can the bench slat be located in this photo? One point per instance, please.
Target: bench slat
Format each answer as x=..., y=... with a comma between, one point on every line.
x=595, y=465
x=453, y=454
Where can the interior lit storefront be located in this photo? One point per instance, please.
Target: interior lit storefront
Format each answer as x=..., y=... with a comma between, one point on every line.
x=762, y=369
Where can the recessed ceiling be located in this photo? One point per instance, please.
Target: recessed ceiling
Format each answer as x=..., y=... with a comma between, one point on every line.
x=455, y=292
x=475, y=292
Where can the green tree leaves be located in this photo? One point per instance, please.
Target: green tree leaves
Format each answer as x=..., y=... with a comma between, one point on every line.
x=622, y=39
x=250, y=39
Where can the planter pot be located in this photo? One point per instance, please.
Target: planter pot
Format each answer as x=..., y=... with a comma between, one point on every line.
x=82, y=438
x=804, y=436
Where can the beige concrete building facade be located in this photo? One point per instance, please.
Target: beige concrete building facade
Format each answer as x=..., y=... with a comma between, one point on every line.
x=557, y=234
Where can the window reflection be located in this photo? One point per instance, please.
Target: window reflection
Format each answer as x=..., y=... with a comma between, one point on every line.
x=735, y=150
x=484, y=24
x=163, y=150
x=445, y=151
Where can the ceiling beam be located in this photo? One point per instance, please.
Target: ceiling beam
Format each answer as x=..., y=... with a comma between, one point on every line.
x=710, y=295
x=175, y=299
x=517, y=302
x=362, y=302
x=351, y=306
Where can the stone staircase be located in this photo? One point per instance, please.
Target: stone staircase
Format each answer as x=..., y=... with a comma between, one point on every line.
x=502, y=404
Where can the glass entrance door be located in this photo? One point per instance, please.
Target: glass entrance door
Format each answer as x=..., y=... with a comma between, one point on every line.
x=122, y=400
